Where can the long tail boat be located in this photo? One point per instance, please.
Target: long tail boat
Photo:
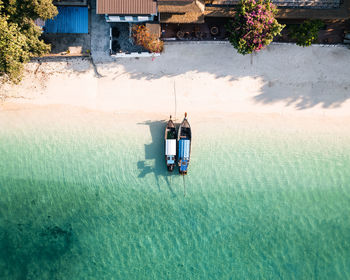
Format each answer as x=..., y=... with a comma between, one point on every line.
x=184, y=137
x=170, y=145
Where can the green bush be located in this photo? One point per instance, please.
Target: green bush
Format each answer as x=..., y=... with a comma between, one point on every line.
x=306, y=33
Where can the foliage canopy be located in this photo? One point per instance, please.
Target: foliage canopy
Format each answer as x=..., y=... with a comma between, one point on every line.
x=148, y=40
x=254, y=26
x=306, y=33
x=19, y=36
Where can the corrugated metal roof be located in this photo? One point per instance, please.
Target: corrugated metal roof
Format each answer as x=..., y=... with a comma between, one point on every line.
x=69, y=20
x=184, y=148
x=127, y=7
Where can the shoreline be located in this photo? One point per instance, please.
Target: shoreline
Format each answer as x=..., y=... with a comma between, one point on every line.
x=71, y=117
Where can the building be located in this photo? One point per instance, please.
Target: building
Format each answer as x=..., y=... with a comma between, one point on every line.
x=127, y=10
x=181, y=11
x=288, y=9
x=194, y=11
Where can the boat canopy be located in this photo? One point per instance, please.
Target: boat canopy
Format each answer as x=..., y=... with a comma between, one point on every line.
x=184, y=148
x=170, y=147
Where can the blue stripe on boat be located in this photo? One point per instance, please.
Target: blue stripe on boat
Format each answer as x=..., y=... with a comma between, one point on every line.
x=184, y=149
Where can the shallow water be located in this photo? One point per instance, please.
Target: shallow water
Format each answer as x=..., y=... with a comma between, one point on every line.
x=85, y=196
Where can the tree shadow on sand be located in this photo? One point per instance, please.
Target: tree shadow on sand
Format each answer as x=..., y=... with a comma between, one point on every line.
x=154, y=155
x=298, y=77
x=305, y=95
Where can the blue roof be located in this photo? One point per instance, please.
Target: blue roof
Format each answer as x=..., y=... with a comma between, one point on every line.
x=69, y=20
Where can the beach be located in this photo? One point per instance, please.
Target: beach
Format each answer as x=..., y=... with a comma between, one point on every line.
x=85, y=193
x=199, y=78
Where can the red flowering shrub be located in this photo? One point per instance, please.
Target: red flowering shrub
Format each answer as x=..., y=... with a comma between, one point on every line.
x=254, y=26
x=144, y=38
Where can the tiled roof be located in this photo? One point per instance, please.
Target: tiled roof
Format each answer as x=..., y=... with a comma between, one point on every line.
x=316, y=4
x=126, y=7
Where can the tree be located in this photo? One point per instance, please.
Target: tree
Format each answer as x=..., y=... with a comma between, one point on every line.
x=19, y=36
x=306, y=33
x=144, y=38
x=254, y=26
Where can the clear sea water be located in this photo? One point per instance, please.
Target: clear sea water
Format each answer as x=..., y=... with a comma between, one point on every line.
x=88, y=197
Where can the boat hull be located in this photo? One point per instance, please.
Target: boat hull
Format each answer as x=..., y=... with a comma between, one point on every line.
x=184, y=139
x=170, y=145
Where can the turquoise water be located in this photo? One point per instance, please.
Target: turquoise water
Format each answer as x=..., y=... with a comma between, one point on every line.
x=88, y=197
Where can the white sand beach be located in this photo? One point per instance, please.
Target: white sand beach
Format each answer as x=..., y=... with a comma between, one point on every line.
x=200, y=78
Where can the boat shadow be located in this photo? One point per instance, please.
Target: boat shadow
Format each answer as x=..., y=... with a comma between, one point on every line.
x=154, y=155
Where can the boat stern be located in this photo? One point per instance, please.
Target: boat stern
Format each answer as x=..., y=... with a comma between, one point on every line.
x=183, y=166
x=170, y=162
